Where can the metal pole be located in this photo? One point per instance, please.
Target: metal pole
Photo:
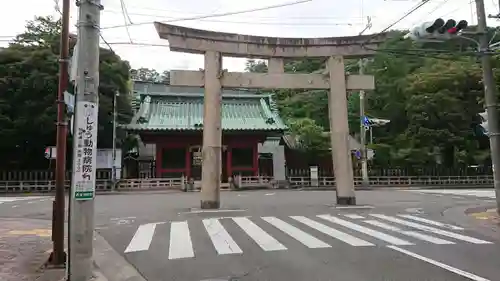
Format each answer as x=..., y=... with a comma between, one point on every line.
x=490, y=97
x=114, y=138
x=85, y=141
x=58, y=256
x=362, y=131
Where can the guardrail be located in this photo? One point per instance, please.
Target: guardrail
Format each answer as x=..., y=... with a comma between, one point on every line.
x=443, y=181
x=46, y=186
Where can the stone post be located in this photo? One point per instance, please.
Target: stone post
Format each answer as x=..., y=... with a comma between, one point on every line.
x=212, y=134
x=339, y=130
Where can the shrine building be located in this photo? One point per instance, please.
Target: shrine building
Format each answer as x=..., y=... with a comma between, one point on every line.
x=169, y=121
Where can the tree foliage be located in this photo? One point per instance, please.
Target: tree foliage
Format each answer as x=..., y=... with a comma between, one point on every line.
x=432, y=101
x=28, y=88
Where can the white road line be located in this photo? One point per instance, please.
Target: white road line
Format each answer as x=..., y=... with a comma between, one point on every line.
x=368, y=231
x=211, y=211
x=432, y=229
x=413, y=234
x=439, y=264
x=180, y=241
x=354, y=216
x=347, y=238
x=427, y=221
x=299, y=235
x=354, y=207
x=262, y=238
x=142, y=238
x=222, y=241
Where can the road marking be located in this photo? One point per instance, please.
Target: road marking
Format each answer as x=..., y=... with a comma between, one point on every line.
x=142, y=238
x=222, y=241
x=353, y=216
x=432, y=229
x=180, y=241
x=299, y=235
x=211, y=211
x=427, y=221
x=262, y=238
x=353, y=207
x=349, y=239
x=413, y=234
x=368, y=231
x=15, y=206
x=270, y=193
x=439, y=264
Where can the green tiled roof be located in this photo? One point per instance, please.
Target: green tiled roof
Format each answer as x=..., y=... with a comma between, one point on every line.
x=184, y=111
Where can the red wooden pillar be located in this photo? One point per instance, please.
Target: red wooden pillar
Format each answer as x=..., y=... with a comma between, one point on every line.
x=159, y=155
x=229, y=161
x=188, y=162
x=255, y=165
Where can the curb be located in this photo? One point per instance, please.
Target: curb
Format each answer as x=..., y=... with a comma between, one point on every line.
x=111, y=264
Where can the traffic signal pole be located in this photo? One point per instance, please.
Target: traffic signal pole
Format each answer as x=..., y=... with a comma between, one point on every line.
x=490, y=97
x=362, y=130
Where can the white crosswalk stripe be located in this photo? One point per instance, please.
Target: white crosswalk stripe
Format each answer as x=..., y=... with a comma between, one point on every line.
x=271, y=234
x=299, y=235
x=264, y=240
x=223, y=242
x=414, y=234
x=368, y=231
x=427, y=221
x=180, y=241
x=142, y=238
x=349, y=239
x=432, y=229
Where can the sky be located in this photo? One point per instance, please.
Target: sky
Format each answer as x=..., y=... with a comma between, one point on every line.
x=316, y=18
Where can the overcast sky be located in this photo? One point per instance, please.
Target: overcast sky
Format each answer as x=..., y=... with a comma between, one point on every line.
x=317, y=18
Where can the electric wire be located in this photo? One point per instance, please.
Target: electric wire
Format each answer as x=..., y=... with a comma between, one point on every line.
x=218, y=14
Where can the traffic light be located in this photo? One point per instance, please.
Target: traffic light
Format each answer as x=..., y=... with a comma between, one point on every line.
x=438, y=29
x=484, y=124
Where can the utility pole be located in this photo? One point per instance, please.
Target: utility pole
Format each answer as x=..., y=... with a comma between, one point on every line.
x=362, y=130
x=490, y=96
x=85, y=141
x=114, y=138
x=58, y=256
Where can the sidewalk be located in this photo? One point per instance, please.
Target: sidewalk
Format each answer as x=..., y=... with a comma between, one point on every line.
x=25, y=246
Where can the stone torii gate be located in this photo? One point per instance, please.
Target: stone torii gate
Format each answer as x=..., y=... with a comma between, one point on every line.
x=214, y=45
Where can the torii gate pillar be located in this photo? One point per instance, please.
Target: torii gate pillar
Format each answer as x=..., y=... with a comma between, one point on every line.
x=213, y=45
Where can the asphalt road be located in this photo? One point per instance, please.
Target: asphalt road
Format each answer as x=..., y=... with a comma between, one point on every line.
x=294, y=235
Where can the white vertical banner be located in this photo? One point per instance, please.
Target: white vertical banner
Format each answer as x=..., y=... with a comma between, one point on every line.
x=84, y=156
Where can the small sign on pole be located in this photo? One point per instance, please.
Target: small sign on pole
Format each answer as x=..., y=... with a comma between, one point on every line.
x=85, y=151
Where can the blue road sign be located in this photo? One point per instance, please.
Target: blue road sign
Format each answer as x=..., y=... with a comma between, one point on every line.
x=366, y=121
x=357, y=154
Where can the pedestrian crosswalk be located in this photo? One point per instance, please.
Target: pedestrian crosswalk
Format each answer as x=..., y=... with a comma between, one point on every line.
x=480, y=193
x=272, y=234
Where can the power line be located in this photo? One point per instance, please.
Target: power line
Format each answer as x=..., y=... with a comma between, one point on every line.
x=125, y=16
x=259, y=23
x=431, y=12
x=411, y=11
x=219, y=14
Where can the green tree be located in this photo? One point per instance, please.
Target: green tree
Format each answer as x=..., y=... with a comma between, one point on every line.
x=28, y=89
